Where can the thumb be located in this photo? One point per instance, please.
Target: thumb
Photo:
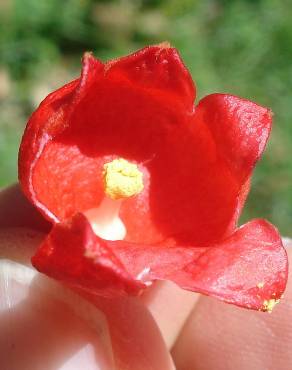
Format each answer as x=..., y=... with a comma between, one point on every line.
x=46, y=326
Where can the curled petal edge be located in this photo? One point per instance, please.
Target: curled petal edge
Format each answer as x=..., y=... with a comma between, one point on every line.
x=239, y=127
x=248, y=269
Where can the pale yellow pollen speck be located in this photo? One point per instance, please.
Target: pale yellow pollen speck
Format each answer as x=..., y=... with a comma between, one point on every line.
x=268, y=305
x=122, y=179
x=164, y=45
x=260, y=285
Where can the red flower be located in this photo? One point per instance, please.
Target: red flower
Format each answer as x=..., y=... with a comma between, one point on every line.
x=186, y=170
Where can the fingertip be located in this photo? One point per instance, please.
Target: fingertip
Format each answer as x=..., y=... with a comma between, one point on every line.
x=170, y=307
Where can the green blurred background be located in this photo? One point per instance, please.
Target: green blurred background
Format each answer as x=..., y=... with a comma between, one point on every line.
x=243, y=47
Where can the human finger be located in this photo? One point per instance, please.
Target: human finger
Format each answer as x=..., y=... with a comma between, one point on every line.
x=168, y=304
x=43, y=326
x=67, y=331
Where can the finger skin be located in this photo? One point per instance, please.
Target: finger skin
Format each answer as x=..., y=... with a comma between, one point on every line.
x=168, y=304
x=41, y=325
x=135, y=339
x=120, y=330
x=224, y=337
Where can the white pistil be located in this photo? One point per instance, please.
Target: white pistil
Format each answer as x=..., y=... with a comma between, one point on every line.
x=122, y=180
x=105, y=220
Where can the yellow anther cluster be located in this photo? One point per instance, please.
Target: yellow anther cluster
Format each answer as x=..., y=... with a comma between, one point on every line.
x=270, y=304
x=122, y=179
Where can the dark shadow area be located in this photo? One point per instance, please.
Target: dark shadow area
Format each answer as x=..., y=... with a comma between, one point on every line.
x=17, y=211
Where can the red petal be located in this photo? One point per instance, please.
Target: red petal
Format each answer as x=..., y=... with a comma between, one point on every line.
x=44, y=121
x=240, y=129
x=73, y=254
x=50, y=119
x=204, y=174
x=159, y=69
x=247, y=269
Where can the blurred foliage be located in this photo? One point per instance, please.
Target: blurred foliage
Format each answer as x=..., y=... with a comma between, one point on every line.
x=241, y=47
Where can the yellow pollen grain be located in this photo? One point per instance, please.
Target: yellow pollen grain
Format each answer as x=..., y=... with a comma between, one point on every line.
x=164, y=45
x=122, y=179
x=268, y=305
x=260, y=285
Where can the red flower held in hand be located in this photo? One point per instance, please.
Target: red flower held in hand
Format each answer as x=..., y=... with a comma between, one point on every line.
x=141, y=185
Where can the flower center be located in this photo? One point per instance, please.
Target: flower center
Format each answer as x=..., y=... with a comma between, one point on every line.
x=122, y=180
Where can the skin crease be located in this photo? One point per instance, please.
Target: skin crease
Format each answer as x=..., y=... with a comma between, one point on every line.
x=214, y=336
